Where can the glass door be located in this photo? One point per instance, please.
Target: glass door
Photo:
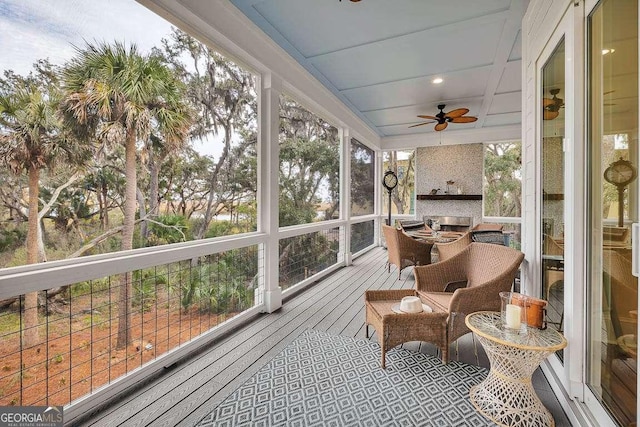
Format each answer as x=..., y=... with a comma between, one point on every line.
x=553, y=188
x=612, y=162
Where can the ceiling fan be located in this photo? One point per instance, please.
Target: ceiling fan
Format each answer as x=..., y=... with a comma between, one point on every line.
x=443, y=119
x=551, y=106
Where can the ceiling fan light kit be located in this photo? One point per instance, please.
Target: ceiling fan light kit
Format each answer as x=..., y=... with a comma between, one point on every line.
x=551, y=106
x=443, y=119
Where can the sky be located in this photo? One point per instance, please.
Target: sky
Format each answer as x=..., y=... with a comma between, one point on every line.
x=36, y=29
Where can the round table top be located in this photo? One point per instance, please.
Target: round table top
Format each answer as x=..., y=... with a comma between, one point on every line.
x=487, y=324
x=438, y=237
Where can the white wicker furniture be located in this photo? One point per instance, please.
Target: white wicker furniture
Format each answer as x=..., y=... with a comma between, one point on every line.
x=507, y=396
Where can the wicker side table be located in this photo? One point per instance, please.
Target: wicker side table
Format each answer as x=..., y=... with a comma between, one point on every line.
x=507, y=396
x=394, y=329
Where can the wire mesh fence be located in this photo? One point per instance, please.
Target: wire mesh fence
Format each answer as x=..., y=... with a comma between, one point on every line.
x=362, y=235
x=307, y=254
x=88, y=334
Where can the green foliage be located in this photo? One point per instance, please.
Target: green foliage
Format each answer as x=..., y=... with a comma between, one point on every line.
x=234, y=297
x=503, y=180
x=9, y=322
x=403, y=164
x=171, y=229
x=362, y=178
x=292, y=213
x=220, y=228
x=87, y=287
x=12, y=237
x=145, y=285
x=304, y=255
x=309, y=162
x=19, y=257
x=110, y=88
x=219, y=283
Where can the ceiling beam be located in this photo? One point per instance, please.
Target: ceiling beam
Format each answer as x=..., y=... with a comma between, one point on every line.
x=503, y=51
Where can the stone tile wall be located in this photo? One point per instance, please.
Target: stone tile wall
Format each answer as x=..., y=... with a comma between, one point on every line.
x=437, y=165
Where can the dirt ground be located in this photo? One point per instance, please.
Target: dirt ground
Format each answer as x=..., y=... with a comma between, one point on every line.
x=81, y=353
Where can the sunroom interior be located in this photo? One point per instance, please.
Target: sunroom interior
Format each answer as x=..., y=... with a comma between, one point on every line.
x=365, y=71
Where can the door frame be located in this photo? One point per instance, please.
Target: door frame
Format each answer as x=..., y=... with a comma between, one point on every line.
x=570, y=373
x=593, y=404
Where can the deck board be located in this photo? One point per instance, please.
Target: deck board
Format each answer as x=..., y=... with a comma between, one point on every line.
x=189, y=391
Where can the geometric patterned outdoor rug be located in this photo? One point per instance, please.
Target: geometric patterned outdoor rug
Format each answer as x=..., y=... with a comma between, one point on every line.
x=327, y=380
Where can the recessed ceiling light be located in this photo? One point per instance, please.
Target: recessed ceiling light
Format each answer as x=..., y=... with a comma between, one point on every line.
x=437, y=80
x=605, y=51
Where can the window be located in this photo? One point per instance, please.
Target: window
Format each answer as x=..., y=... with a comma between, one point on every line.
x=502, y=179
x=403, y=196
x=362, y=176
x=309, y=166
x=502, y=187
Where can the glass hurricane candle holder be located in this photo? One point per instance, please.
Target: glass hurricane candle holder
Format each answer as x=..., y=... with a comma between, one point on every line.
x=513, y=312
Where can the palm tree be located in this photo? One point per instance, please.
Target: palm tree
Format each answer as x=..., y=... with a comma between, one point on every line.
x=119, y=96
x=32, y=139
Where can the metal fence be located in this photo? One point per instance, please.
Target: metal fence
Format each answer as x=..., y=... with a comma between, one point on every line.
x=307, y=254
x=77, y=349
x=362, y=235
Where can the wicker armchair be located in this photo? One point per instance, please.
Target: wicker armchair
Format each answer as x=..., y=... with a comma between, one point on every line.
x=447, y=250
x=469, y=281
x=413, y=225
x=487, y=226
x=404, y=250
x=553, y=271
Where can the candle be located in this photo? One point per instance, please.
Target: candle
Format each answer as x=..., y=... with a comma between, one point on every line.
x=512, y=316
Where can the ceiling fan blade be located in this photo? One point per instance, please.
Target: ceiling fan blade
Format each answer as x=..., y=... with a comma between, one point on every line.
x=441, y=126
x=465, y=119
x=550, y=115
x=428, y=117
x=421, y=124
x=608, y=92
x=457, y=112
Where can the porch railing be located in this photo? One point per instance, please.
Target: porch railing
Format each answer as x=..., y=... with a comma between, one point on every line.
x=181, y=296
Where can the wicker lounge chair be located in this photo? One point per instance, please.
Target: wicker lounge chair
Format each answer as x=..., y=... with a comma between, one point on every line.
x=403, y=250
x=469, y=281
x=447, y=250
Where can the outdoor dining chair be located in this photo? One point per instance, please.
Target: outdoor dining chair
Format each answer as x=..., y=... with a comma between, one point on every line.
x=403, y=250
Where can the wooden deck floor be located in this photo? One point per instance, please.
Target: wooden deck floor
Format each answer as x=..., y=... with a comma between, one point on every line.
x=189, y=391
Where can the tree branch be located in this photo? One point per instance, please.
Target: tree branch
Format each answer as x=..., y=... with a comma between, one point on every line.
x=54, y=197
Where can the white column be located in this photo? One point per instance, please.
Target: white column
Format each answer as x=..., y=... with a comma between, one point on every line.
x=345, y=196
x=268, y=188
x=377, y=195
